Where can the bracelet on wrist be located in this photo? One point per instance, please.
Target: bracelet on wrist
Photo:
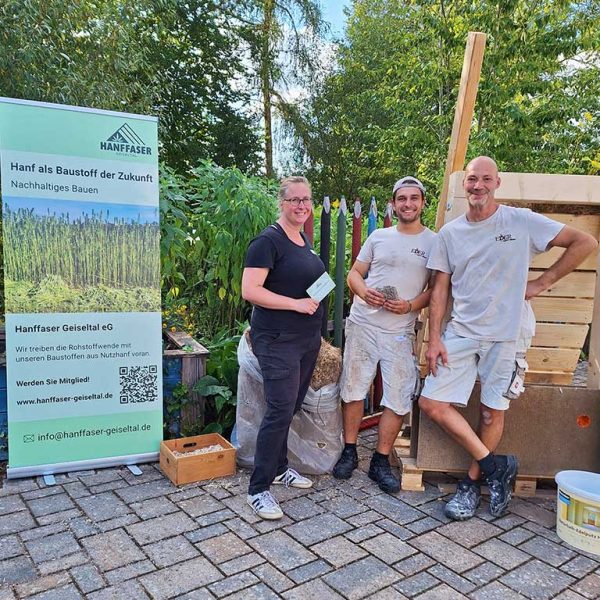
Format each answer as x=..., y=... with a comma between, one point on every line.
x=409, y=307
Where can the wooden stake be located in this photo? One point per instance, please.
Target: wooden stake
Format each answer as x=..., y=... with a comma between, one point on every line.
x=340, y=255
x=463, y=116
x=324, y=253
x=593, y=380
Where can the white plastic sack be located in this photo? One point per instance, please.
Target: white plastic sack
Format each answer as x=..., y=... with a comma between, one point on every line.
x=315, y=437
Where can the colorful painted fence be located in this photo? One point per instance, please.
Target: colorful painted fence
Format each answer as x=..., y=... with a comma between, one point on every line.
x=346, y=236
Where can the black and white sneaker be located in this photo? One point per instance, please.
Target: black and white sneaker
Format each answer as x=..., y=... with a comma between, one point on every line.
x=464, y=503
x=291, y=478
x=265, y=505
x=501, y=482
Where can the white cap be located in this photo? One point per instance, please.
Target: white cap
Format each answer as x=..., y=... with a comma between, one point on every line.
x=408, y=182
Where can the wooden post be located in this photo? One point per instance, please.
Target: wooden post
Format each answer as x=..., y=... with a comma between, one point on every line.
x=387, y=219
x=593, y=380
x=324, y=253
x=463, y=115
x=340, y=256
x=356, y=229
x=356, y=234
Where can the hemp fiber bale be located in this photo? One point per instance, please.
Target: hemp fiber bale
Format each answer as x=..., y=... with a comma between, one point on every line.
x=329, y=364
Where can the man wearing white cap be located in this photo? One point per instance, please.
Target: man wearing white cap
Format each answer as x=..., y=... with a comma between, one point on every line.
x=389, y=281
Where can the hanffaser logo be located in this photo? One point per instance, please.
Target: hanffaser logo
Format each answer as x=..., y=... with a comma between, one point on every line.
x=125, y=141
x=419, y=252
x=505, y=237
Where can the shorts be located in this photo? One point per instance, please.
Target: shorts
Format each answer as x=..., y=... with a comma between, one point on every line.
x=365, y=347
x=494, y=362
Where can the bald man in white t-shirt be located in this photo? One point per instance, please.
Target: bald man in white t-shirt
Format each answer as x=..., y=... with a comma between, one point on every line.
x=483, y=258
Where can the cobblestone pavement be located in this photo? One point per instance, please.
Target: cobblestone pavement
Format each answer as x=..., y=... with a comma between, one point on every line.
x=108, y=534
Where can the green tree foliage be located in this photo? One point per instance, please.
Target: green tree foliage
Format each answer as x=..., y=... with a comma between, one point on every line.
x=282, y=37
x=179, y=59
x=387, y=107
x=207, y=221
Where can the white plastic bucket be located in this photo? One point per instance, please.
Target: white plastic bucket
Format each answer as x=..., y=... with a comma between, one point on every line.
x=578, y=509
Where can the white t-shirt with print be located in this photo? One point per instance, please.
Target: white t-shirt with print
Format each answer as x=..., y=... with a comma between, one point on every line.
x=488, y=261
x=395, y=259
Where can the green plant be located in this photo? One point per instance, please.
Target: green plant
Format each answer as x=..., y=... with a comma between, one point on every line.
x=220, y=403
x=172, y=406
x=228, y=210
x=222, y=360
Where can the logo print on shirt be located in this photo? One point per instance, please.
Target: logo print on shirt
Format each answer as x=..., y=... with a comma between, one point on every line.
x=418, y=252
x=505, y=237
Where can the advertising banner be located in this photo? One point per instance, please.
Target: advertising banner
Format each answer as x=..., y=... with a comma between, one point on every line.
x=81, y=249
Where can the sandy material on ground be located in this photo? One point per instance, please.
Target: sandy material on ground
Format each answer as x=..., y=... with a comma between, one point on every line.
x=205, y=450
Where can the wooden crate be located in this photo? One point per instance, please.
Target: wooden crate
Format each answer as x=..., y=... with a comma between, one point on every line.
x=198, y=467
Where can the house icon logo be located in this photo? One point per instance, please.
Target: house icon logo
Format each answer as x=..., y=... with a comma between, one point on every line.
x=125, y=141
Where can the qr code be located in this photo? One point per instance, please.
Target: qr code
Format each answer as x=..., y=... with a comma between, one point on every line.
x=138, y=384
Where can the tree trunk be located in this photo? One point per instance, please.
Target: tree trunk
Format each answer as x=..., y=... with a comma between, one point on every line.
x=265, y=76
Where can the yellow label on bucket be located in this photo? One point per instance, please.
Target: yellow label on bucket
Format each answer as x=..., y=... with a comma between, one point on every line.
x=578, y=521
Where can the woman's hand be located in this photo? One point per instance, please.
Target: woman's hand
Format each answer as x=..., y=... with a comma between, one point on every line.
x=306, y=306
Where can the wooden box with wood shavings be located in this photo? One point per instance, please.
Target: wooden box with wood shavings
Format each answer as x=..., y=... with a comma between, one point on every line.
x=197, y=458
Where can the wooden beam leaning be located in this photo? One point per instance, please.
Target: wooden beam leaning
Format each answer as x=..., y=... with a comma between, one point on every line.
x=463, y=115
x=593, y=381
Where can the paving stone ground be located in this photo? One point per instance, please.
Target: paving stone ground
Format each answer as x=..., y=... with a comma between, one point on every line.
x=107, y=534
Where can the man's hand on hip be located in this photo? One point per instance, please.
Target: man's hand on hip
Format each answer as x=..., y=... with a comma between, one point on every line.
x=534, y=288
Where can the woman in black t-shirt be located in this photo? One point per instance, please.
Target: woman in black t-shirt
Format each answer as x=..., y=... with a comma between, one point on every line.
x=285, y=334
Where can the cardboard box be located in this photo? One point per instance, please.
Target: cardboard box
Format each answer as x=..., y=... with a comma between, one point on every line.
x=197, y=467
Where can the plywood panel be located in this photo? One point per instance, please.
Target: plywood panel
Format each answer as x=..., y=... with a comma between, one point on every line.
x=593, y=381
x=563, y=310
x=561, y=335
x=543, y=359
x=552, y=359
x=579, y=284
x=547, y=259
x=548, y=377
x=588, y=223
x=543, y=418
x=544, y=188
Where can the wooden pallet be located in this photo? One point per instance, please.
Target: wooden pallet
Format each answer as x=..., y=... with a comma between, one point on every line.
x=412, y=481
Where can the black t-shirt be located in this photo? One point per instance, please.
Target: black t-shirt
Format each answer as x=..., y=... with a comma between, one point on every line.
x=292, y=270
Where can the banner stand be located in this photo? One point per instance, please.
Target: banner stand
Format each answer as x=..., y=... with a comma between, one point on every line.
x=81, y=241
x=82, y=465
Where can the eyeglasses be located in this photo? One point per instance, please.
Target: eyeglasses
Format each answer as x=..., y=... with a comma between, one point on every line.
x=295, y=202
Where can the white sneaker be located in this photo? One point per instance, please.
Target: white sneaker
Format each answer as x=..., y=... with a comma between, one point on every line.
x=265, y=505
x=291, y=478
